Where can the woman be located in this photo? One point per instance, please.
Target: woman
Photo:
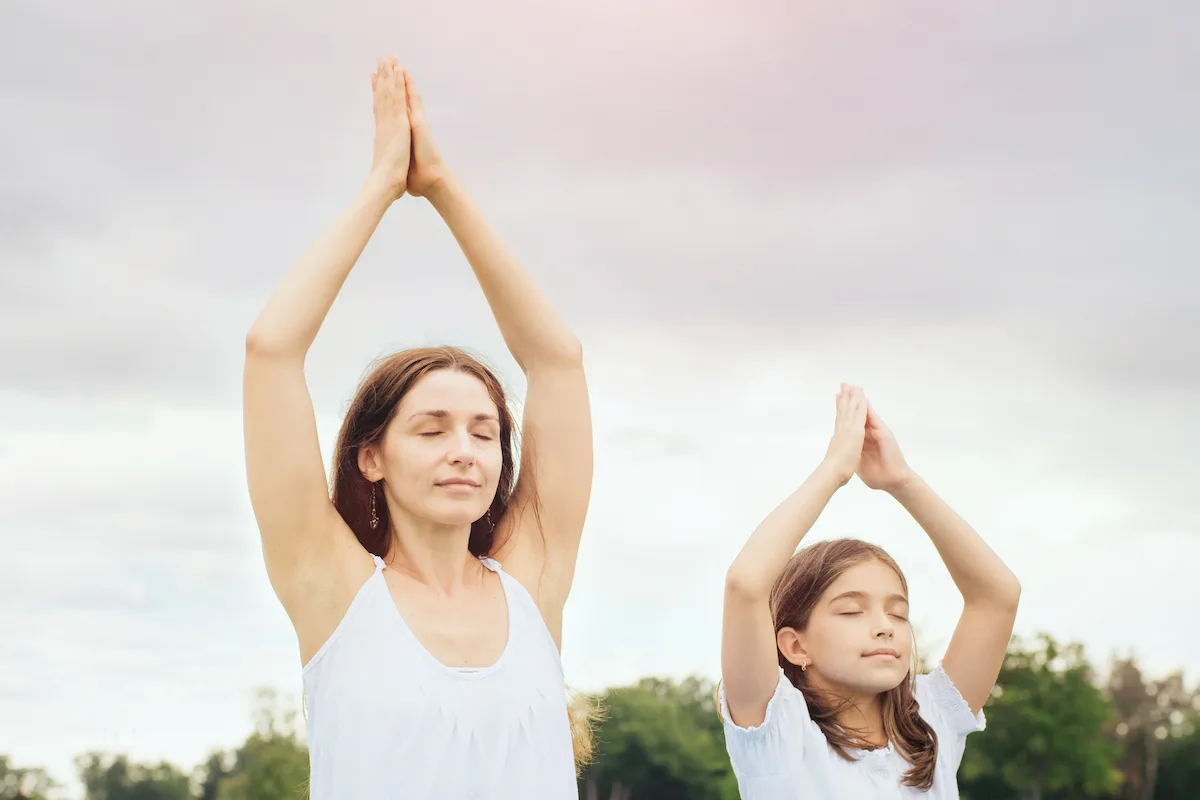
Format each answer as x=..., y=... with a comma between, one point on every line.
x=429, y=670
x=819, y=693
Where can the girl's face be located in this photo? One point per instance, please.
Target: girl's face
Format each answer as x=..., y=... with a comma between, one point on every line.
x=857, y=641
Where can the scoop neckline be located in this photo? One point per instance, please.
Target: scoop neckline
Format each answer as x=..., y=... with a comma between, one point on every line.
x=474, y=673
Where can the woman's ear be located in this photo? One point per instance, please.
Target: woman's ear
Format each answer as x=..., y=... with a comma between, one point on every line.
x=370, y=462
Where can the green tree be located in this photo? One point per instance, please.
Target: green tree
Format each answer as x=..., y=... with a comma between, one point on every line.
x=23, y=783
x=109, y=777
x=1149, y=715
x=1048, y=728
x=663, y=740
x=210, y=774
x=1179, y=766
x=272, y=764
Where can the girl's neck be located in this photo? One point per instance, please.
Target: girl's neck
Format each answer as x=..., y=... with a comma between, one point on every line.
x=863, y=720
x=861, y=715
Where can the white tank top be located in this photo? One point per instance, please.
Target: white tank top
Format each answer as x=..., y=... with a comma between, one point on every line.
x=388, y=720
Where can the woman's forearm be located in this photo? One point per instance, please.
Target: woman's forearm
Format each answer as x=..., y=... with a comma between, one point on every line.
x=289, y=322
x=979, y=574
x=766, y=553
x=536, y=334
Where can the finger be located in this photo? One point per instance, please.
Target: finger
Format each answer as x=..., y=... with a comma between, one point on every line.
x=398, y=89
x=860, y=409
x=854, y=405
x=401, y=88
x=384, y=73
x=878, y=419
x=414, y=96
x=848, y=406
x=852, y=396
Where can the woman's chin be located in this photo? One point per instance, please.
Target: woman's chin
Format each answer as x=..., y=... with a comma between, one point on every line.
x=457, y=517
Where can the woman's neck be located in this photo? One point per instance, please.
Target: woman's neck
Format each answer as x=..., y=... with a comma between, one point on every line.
x=433, y=554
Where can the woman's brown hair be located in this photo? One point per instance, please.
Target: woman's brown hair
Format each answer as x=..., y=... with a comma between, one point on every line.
x=371, y=411
x=794, y=596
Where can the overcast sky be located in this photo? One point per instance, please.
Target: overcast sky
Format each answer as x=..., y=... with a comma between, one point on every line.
x=986, y=215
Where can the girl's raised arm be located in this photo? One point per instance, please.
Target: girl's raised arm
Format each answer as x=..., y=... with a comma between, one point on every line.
x=749, y=661
x=989, y=589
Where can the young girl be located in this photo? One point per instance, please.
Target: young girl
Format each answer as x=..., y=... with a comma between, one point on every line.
x=818, y=692
x=429, y=670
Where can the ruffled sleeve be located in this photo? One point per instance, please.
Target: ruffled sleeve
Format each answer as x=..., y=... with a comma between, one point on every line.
x=943, y=707
x=778, y=744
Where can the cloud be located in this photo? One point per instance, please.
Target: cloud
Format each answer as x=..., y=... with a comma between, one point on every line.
x=800, y=167
x=1047, y=479
x=780, y=92
x=137, y=595
x=984, y=215
x=140, y=592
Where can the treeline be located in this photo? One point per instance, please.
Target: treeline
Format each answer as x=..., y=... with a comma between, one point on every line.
x=272, y=763
x=1054, y=733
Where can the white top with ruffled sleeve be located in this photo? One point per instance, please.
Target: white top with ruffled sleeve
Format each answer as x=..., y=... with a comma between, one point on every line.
x=788, y=758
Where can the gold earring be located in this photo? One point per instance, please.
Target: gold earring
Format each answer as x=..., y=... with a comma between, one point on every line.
x=803, y=666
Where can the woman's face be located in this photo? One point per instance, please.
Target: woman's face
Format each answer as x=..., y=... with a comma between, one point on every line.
x=441, y=457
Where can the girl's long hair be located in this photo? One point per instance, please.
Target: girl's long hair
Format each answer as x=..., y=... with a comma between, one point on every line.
x=794, y=596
